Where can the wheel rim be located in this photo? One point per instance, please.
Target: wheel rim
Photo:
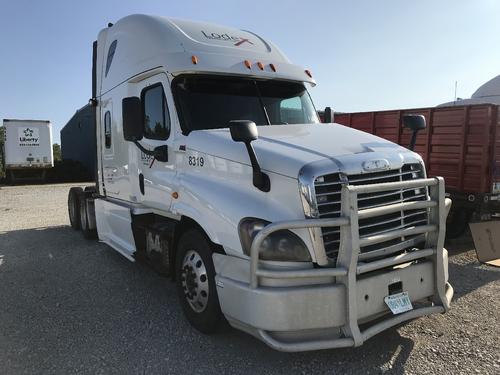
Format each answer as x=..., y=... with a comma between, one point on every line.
x=194, y=280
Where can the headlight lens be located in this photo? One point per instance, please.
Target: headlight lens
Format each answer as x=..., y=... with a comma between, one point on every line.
x=282, y=245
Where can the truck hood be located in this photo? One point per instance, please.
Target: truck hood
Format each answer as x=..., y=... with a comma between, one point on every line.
x=285, y=149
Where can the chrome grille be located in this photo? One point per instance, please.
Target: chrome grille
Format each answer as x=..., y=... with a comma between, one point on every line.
x=328, y=190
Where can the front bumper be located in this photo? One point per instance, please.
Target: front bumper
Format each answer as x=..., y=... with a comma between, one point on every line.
x=320, y=308
x=311, y=317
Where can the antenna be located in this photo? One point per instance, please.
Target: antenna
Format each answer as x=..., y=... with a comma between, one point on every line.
x=455, y=98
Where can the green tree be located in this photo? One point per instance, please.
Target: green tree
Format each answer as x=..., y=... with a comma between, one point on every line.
x=56, y=149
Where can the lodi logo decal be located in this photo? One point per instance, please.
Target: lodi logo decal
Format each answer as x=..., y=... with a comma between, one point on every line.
x=238, y=40
x=28, y=137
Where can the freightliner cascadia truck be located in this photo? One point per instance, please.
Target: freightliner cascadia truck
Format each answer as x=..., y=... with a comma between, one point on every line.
x=213, y=166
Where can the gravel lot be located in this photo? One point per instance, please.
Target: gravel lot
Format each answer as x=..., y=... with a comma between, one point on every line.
x=68, y=305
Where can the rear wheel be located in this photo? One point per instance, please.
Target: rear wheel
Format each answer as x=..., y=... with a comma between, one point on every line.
x=195, y=278
x=74, y=207
x=84, y=218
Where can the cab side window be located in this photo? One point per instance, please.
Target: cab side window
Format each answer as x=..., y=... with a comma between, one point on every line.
x=156, y=116
x=107, y=129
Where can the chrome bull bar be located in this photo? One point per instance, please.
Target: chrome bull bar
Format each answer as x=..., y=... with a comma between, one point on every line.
x=347, y=268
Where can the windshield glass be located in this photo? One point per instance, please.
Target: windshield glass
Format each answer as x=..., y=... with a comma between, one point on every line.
x=211, y=102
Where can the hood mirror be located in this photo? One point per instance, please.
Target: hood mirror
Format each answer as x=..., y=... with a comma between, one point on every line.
x=328, y=115
x=243, y=131
x=246, y=131
x=415, y=123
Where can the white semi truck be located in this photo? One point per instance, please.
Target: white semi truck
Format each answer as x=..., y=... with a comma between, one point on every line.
x=27, y=149
x=212, y=165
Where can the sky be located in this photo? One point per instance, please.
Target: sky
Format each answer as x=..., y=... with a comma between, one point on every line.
x=365, y=55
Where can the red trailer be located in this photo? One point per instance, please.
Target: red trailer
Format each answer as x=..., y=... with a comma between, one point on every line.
x=460, y=143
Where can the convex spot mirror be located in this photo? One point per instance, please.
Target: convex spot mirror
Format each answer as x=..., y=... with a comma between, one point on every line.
x=160, y=153
x=414, y=122
x=132, y=119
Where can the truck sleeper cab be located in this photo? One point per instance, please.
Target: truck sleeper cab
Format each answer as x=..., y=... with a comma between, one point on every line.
x=213, y=166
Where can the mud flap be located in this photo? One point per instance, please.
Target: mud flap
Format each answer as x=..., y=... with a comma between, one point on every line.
x=486, y=237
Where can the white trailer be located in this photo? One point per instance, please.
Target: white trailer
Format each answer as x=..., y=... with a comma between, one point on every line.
x=213, y=166
x=27, y=148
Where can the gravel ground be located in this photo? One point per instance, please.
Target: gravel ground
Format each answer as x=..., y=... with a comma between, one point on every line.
x=68, y=305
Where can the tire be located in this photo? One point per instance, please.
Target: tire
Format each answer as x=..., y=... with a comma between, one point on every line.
x=456, y=223
x=195, y=276
x=84, y=221
x=74, y=207
x=11, y=178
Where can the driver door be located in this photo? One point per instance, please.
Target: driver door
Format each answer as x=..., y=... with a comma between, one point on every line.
x=155, y=179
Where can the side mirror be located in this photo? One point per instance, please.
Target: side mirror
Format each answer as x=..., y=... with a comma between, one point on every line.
x=243, y=130
x=246, y=131
x=132, y=119
x=415, y=123
x=328, y=115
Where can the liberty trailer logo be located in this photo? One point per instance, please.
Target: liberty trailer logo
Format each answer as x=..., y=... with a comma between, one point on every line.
x=28, y=137
x=238, y=40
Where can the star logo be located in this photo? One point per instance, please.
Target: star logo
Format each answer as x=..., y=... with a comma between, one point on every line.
x=28, y=132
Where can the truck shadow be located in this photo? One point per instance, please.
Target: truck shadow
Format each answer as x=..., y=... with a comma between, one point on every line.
x=460, y=244
x=469, y=276
x=466, y=272
x=72, y=303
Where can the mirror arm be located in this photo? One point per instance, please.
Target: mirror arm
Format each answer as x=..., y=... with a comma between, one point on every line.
x=413, y=140
x=144, y=150
x=260, y=179
x=159, y=153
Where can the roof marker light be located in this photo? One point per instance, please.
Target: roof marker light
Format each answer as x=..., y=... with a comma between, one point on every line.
x=194, y=59
x=260, y=65
x=248, y=64
x=273, y=68
x=308, y=72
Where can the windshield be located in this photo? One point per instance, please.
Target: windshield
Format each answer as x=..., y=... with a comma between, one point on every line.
x=211, y=102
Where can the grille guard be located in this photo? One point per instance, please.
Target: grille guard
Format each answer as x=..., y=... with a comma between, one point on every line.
x=347, y=268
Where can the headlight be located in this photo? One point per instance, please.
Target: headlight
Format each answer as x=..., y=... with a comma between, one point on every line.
x=282, y=245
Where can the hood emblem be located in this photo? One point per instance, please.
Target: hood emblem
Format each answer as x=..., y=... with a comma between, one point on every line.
x=375, y=165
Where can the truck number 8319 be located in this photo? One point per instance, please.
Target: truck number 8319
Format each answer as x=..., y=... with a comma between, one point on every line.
x=196, y=161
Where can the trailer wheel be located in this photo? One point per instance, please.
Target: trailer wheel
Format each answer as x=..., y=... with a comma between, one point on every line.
x=196, y=282
x=84, y=220
x=74, y=207
x=456, y=223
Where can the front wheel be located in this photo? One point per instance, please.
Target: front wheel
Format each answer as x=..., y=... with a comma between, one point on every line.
x=456, y=222
x=195, y=279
